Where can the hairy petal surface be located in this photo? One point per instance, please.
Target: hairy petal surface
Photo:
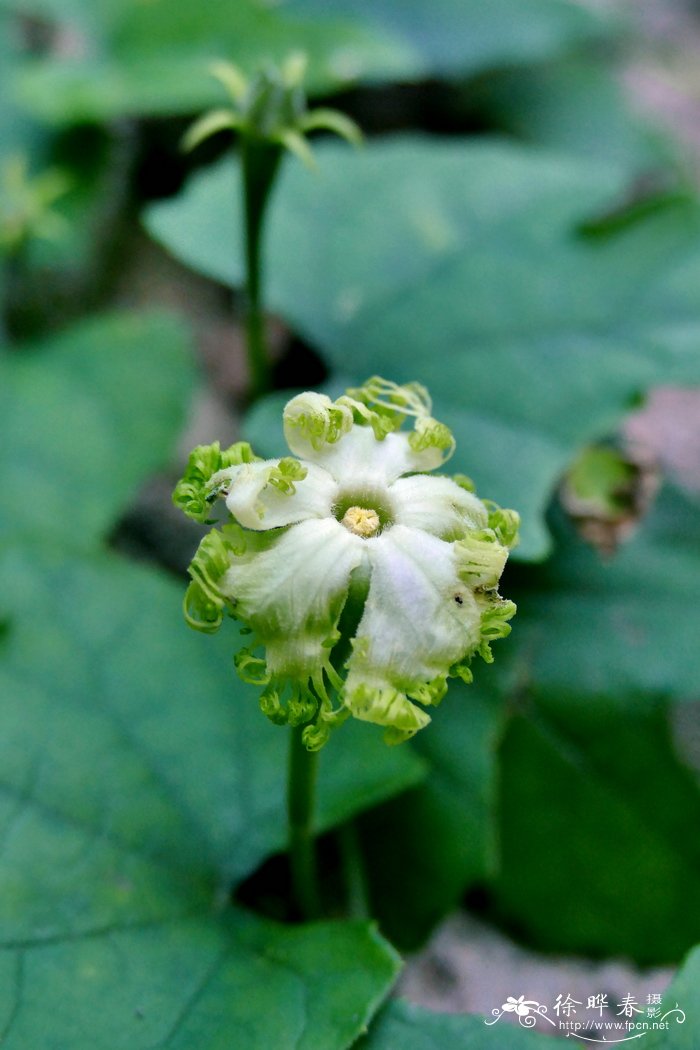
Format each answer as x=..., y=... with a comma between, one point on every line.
x=290, y=588
x=359, y=458
x=418, y=620
x=436, y=505
x=278, y=492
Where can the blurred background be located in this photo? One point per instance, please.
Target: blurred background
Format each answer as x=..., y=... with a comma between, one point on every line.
x=521, y=233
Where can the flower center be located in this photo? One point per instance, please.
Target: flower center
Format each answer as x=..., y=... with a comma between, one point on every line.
x=362, y=521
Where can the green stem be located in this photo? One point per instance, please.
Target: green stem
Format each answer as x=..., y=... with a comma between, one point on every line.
x=301, y=791
x=260, y=161
x=353, y=867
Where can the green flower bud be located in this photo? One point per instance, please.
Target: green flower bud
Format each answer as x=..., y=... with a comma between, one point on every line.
x=270, y=108
x=364, y=582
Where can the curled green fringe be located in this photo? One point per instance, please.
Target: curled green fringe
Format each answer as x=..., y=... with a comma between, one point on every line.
x=283, y=476
x=193, y=493
x=494, y=625
x=204, y=604
x=505, y=523
x=429, y=433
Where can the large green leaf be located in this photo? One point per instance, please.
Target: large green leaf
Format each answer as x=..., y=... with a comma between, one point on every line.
x=593, y=797
x=426, y=847
x=107, y=687
x=595, y=854
x=152, y=58
x=139, y=783
x=85, y=417
x=531, y=338
x=217, y=981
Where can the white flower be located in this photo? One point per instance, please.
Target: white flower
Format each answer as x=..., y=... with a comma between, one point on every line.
x=366, y=581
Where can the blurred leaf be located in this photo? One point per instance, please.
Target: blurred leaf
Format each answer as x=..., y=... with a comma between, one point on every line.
x=532, y=339
x=86, y=416
x=466, y=36
x=600, y=481
x=595, y=804
x=214, y=981
x=400, y=1024
x=90, y=162
x=426, y=847
x=684, y=990
x=595, y=852
x=17, y=131
x=576, y=105
x=620, y=627
x=152, y=58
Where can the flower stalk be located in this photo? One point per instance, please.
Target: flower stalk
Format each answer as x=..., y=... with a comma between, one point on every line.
x=260, y=163
x=301, y=795
x=269, y=113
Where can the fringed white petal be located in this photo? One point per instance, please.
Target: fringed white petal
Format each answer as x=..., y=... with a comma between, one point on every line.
x=357, y=458
x=290, y=589
x=436, y=505
x=260, y=498
x=418, y=620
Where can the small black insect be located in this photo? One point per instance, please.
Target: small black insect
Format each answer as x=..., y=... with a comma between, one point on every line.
x=459, y=599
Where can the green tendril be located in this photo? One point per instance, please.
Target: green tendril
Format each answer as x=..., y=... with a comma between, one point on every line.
x=302, y=706
x=201, y=612
x=411, y=399
x=317, y=419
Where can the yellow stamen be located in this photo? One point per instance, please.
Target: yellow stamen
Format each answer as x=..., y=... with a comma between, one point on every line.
x=361, y=521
